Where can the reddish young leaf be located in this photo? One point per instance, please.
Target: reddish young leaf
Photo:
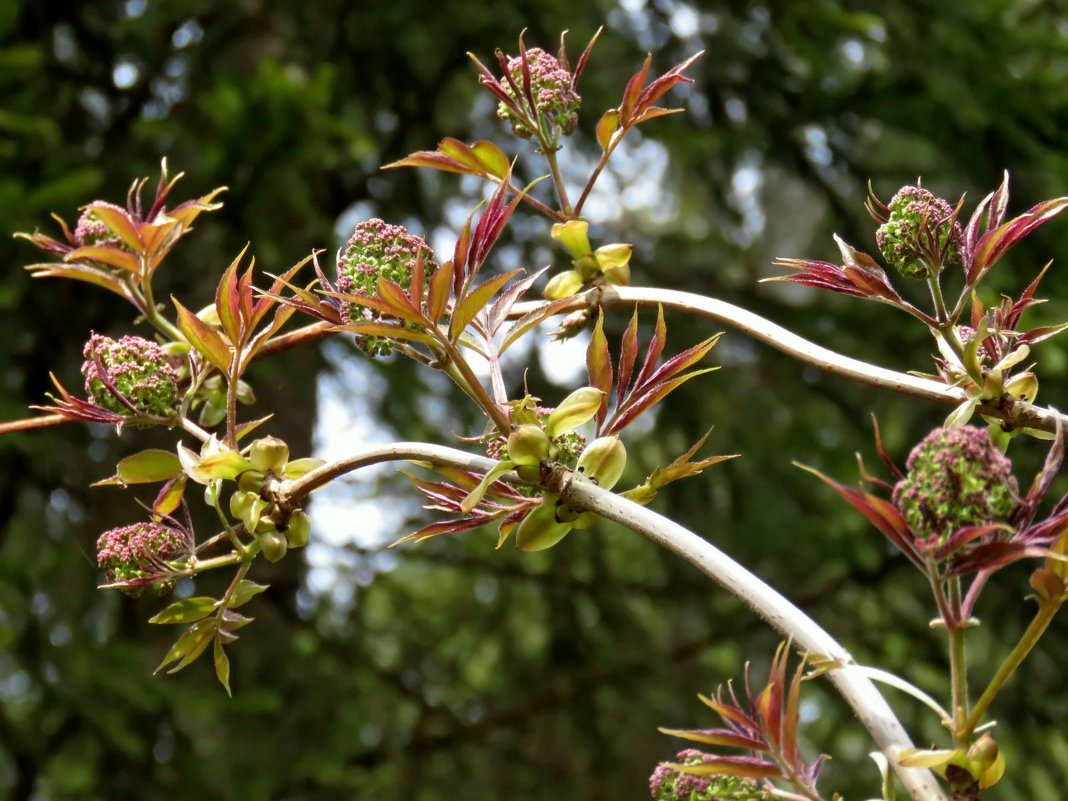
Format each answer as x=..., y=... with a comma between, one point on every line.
x=993, y=244
x=228, y=300
x=120, y=224
x=599, y=366
x=633, y=90
x=113, y=257
x=80, y=272
x=438, y=296
x=722, y=737
x=475, y=301
x=654, y=349
x=628, y=353
x=397, y=299
x=633, y=407
x=204, y=339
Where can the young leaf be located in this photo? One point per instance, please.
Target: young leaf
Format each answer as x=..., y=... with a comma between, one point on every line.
x=189, y=646
x=188, y=610
x=222, y=665
x=146, y=467
x=203, y=337
x=244, y=592
x=170, y=496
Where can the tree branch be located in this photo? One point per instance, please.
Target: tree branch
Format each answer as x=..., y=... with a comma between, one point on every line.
x=581, y=494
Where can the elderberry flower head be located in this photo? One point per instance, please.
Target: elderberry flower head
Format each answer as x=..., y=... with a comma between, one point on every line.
x=956, y=477
x=555, y=99
x=130, y=376
x=669, y=784
x=91, y=230
x=921, y=234
x=378, y=250
x=140, y=551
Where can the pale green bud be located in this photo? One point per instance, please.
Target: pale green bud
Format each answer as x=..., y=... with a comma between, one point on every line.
x=574, y=234
x=603, y=461
x=251, y=481
x=540, y=529
x=298, y=529
x=269, y=455
x=577, y=408
x=272, y=544
x=587, y=267
x=563, y=285
x=614, y=255
x=528, y=445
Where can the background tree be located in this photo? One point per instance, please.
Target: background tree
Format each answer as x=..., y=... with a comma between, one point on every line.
x=450, y=670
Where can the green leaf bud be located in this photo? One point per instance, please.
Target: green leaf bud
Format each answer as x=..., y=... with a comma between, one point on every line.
x=563, y=285
x=528, y=445
x=574, y=234
x=272, y=544
x=603, y=461
x=576, y=409
x=269, y=455
x=298, y=530
x=540, y=529
x=251, y=481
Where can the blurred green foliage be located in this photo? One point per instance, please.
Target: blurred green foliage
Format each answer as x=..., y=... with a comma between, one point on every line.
x=451, y=670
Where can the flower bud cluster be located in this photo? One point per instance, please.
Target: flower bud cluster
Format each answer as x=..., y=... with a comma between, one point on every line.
x=670, y=784
x=921, y=234
x=956, y=477
x=556, y=104
x=141, y=551
x=376, y=250
x=91, y=230
x=130, y=376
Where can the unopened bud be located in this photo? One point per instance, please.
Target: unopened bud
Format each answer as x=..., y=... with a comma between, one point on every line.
x=563, y=285
x=251, y=481
x=269, y=455
x=528, y=445
x=272, y=544
x=540, y=529
x=578, y=407
x=298, y=530
x=587, y=267
x=603, y=461
x=615, y=255
x=988, y=764
x=247, y=507
x=574, y=234
x=1023, y=386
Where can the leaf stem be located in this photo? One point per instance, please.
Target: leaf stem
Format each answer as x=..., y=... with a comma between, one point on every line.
x=558, y=181
x=958, y=666
x=1027, y=641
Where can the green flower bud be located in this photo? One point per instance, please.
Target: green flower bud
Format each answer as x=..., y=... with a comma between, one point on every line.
x=988, y=763
x=272, y=544
x=956, y=477
x=921, y=234
x=269, y=455
x=556, y=103
x=298, y=530
x=603, y=461
x=540, y=529
x=668, y=783
x=528, y=445
x=574, y=234
x=248, y=507
x=130, y=376
x=576, y=409
x=378, y=250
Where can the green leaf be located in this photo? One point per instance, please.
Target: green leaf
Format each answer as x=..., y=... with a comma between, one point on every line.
x=146, y=467
x=189, y=646
x=188, y=610
x=244, y=592
x=222, y=666
x=491, y=158
x=301, y=467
